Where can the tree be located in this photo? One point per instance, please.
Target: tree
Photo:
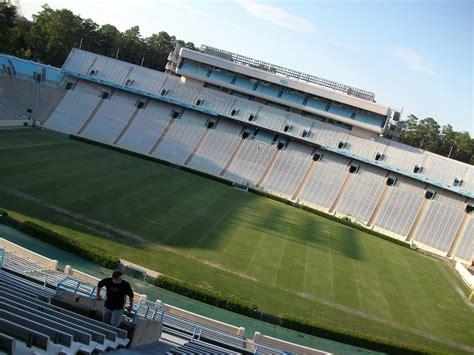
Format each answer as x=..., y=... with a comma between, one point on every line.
x=409, y=134
x=448, y=140
x=109, y=38
x=55, y=32
x=8, y=33
x=428, y=134
x=463, y=147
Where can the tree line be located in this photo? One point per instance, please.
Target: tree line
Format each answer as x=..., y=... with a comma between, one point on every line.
x=427, y=134
x=50, y=35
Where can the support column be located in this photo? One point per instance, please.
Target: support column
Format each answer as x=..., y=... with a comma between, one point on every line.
x=233, y=156
x=305, y=179
x=198, y=145
x=269, y=167
x=129, y=123
x=379, y=204
x=459, y=234
x=89, y=119
x=418, y=218
x=50, y=113
x=341, y=190
x=162, y=136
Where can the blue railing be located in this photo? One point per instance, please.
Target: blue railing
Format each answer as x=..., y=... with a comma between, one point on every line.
x=2, y=254
x=28, y=68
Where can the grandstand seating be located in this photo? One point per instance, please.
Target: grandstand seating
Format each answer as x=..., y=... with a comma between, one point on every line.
x=325, y=181
x=289, y=169
x=250, y=163
x=27, y=316
x=362, y=193
x=398, y=220
x=465, y=248
x=75, y=108
x=148, y=126
x=182, y=137
x=111, y=118
x=217, y=149
x=441, y=221
x=30, y=322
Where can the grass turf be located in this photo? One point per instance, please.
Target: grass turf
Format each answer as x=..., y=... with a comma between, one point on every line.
x=283, y=259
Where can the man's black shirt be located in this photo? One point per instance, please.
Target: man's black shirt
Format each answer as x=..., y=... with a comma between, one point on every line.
x=115, y=293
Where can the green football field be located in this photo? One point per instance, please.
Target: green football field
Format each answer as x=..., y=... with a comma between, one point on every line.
x=285, y=260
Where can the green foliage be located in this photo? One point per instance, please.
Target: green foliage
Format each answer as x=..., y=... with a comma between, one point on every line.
x=8, y=33
x=3, y=213
x=426, y=134
x=52, y=33
x=81, y=249
x=229, y=302
x=350, y=337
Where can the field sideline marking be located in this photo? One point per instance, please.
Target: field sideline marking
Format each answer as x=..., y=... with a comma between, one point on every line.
x=281, y=256
x=262, y=234
x=357, y=285
x=230, y=241
x=330, y=269
x=377, y=279
x=417, y=282
x=306, y=263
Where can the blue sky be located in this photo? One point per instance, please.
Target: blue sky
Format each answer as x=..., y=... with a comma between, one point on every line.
x=415, y=55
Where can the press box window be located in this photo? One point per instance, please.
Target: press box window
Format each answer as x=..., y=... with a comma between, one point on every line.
x=430, y=194
x=354, y=169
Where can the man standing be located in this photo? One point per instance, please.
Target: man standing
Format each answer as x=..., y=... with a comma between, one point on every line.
x=117, y=289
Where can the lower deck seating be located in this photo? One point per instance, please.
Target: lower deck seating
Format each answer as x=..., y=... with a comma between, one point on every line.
x=30, y=322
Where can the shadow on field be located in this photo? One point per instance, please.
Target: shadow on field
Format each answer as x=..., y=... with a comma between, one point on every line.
x=181, y=210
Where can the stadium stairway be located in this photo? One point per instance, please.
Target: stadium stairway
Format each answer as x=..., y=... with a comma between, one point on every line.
x=30, y=323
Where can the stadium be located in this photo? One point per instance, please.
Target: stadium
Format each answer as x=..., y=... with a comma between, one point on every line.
x=268, y=185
